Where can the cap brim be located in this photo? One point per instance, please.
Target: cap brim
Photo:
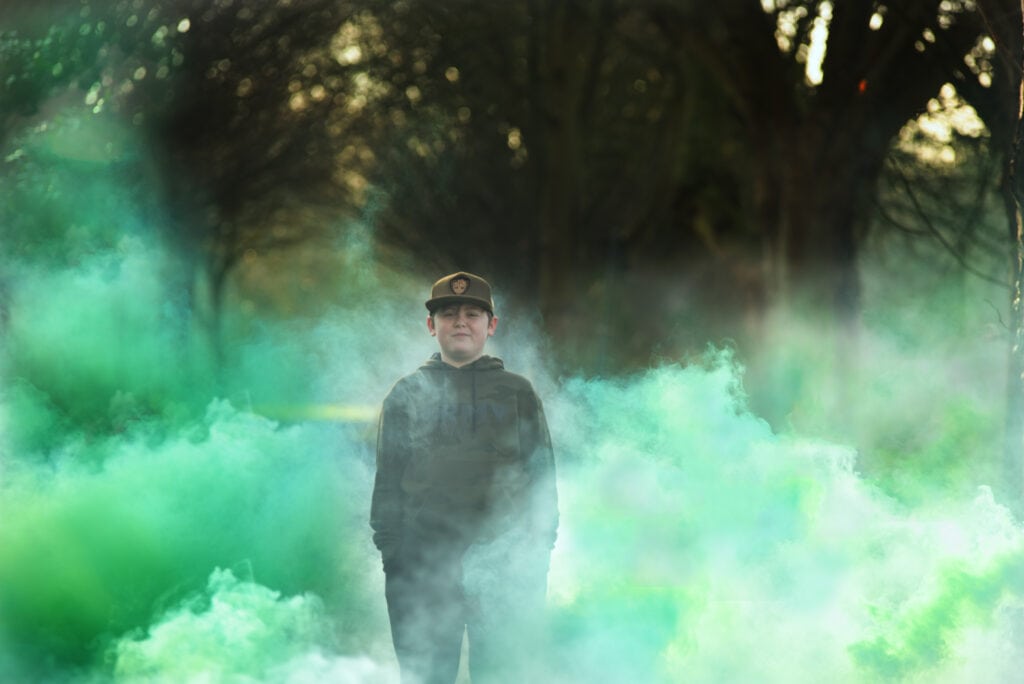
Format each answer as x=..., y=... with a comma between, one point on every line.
x=438, y=302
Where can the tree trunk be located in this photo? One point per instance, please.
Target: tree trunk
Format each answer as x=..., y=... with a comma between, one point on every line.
x=1013, y=189
x=557, y=85
x=807, y=201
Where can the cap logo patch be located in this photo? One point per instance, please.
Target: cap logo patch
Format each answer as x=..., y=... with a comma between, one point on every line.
x=459, y=285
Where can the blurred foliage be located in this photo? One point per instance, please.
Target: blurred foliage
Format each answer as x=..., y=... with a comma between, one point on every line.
x=569, y=149
x=650, y=175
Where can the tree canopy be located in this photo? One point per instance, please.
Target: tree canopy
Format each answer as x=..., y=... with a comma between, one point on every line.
x=588, y=154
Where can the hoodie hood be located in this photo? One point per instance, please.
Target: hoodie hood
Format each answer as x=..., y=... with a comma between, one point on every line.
x=484, y=363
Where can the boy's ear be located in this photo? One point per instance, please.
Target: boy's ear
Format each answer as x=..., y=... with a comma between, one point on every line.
x=430, y=325
x=492, y=326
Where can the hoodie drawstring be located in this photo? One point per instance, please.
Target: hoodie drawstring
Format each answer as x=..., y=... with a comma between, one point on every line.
x=474, y=400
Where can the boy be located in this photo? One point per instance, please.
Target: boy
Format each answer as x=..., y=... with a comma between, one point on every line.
x=464, y=507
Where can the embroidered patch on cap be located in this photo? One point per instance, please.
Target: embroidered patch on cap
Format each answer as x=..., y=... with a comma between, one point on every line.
x=459, y=285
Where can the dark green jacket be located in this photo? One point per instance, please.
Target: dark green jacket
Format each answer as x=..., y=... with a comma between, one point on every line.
x=463, y=455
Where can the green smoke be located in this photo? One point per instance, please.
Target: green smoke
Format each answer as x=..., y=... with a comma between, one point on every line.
x=709, y=549
x=923, y=637
x=124, y=480
x=158, y=523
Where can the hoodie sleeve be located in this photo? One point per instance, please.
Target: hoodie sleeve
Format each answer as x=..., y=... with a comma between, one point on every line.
x=392, y=455
x=540, y=465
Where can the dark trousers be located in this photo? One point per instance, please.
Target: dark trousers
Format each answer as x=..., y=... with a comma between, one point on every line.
x=427, y=612
x=429, y=608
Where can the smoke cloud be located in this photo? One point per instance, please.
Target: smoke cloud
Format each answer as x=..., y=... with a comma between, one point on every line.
x=160, y=524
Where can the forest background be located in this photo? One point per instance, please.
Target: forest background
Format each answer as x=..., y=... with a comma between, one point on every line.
x=824, y=190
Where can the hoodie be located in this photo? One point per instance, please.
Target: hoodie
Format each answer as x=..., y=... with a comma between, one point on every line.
x=463, y=455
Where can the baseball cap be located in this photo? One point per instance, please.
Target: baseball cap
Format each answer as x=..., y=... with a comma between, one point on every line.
x=461, y=288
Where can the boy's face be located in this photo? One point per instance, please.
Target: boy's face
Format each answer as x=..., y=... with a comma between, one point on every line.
x=461, y=331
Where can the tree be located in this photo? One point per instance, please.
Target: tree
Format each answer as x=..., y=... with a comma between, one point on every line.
x=543, y=142
x=588, y=143
x=242, y=104
x=817, y=148
x=1000, y=106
